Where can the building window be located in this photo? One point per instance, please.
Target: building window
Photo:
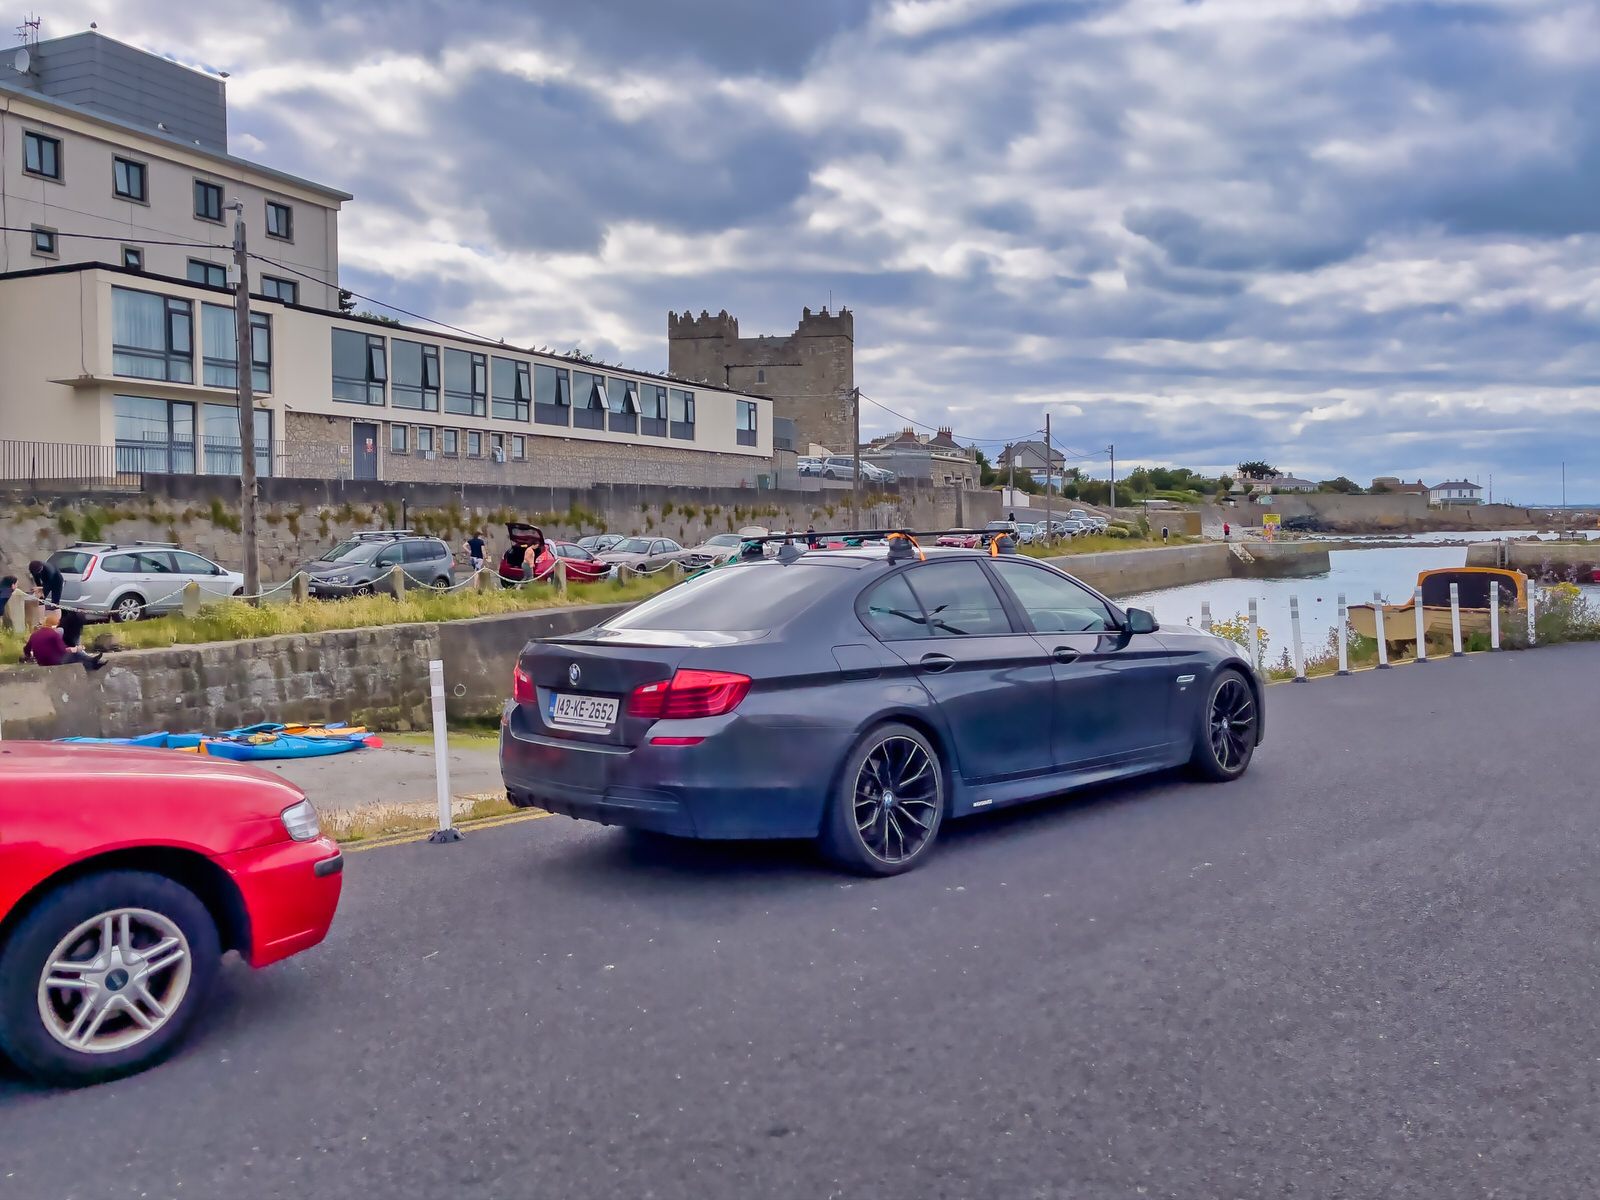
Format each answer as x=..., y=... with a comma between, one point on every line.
x=623, y=397
x=590, y=410
x=761, y=376
x=209, y=274
x=474, y=444
x=397, y=439
x=513, y=389
x=128, y=180
x=653, y=410
x=280, y=221
x=152, y=337
x=360, y=368
x=425, y=440
x=466, y=383
x=44, y=242
x=218, y=342
x=41, y=156
x=208, y=201
x=286, y=290
x=682, y=413
x=222, y=440
x=497, y=447
x=416, y=376
x=552, y=395
x=449, y=439
x=519, y=448
x=133, y=258
x=747, y=423
x=154, y=436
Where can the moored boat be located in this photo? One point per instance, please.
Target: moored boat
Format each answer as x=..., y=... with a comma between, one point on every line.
x=1472, y=588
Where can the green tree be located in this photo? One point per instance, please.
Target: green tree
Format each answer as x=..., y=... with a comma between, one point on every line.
x=1256, y=469
x=1339, y=484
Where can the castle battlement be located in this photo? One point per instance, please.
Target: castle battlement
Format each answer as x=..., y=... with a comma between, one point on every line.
x=721, y=326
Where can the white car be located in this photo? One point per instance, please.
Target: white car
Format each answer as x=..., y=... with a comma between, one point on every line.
x=128, y=580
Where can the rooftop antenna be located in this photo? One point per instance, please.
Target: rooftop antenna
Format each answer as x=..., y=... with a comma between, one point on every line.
x=28, y=31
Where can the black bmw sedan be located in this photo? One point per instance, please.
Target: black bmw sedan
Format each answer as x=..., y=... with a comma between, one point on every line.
x=863, y=697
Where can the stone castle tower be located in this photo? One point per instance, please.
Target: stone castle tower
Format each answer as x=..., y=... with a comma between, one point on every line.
x=809, y=375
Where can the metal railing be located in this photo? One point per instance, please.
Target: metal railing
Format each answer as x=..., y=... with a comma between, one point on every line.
x=63, y=464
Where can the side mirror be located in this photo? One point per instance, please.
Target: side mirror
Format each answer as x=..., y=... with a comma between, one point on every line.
x=1140, y=621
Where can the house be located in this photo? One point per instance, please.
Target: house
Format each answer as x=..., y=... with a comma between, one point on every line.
x=1288, y=483
x=1393, y=485
x=936, y=460
x=1459, y=491
x=1031, y=457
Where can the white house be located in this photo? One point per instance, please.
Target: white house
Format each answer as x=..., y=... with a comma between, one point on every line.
x=1456, y=492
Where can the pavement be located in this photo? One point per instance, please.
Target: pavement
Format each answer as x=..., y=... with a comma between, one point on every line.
x=1368, y=969
x=402, y=771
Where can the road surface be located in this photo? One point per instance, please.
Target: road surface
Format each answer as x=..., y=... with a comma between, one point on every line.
x=1367, y=970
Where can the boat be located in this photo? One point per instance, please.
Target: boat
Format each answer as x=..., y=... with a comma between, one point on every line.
x=1472, y=589
x=252, y=743
x=264, y=747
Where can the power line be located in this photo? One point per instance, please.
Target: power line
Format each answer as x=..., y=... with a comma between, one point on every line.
x=936, y=428
x=106, y=237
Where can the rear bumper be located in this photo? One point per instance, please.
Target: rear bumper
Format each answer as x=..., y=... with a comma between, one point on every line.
x=290, y=892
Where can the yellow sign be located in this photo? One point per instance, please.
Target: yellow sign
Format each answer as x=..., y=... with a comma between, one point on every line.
x=1271, y=520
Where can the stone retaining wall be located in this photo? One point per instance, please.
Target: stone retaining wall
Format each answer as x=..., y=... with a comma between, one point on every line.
x=1129, y=572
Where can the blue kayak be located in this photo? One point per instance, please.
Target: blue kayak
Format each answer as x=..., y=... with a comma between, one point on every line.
x=158, y=741
x=285, y=745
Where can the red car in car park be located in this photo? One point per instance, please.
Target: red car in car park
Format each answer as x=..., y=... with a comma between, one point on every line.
x=125, y=874
x=582, y=566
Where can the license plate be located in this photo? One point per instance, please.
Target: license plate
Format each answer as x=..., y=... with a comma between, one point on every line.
x=591, y=714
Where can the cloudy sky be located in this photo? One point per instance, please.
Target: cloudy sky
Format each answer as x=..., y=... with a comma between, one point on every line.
x=1348, y=236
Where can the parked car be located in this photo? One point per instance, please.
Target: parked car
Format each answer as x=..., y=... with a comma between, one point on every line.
x=1077, y=514
x=118, y=901
x=353, y=566
x=964, y=683
x=873, y=473
x=809, y=466
x=645, y=554
x=582, y=566
x=599, y=543
x=842, y=466
x=128, y=580
x=718, y=548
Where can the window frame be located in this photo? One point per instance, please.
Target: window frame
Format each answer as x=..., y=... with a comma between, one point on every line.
x=260, y=366
x=376, y=370
x=172, y=307
x=654, y=410
x=560, y=412
x=142, y=195
x=51, y=247
x=424, y=432
x=450, y=443
x=1113, y=613
x=477, y=399
x=474, y=443
x=287, y=232
x=398, y=438
x=743, y=434
x=586, y=415
x=948, y=566
x=519, y=405
x=178, y=450
x=206, y=268
x=278, y=284
x=204, y=187
x=32, y=137
x=519, y=447
x=682, y=431
x=429, y=372
x=133, y=258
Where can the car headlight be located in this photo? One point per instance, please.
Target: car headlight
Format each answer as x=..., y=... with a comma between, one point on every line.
x=301, y=821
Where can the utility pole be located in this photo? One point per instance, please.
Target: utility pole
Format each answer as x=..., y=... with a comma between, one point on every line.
x=1563, y=497
x=1049, y=529
x=1112, y=449
x=855, y=460
x=245, y=358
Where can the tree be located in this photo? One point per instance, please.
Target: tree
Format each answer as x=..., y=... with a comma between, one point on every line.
x=1256, y=469
x=1340, y=484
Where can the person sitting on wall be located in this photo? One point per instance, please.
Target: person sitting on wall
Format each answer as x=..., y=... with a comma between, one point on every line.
x=48, y=648
x=47, y=581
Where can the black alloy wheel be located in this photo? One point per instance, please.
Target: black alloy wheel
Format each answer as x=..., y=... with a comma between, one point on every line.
x=1227, y=738
x=889, y=803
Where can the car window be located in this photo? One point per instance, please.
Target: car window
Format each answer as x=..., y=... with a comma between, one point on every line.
x=389, y=556
x=122, y=563
x=154, y=562
x=1053, y=603
x=422, y=551
x=749, y=596
x=670, y=546
x=959, y=599
x=193, y=564
x=354, y=550
x=633, y=546
x=892, y=612
x=69, y=562
x=724, y=539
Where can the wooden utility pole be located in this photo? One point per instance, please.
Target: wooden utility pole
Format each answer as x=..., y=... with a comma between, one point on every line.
x=1049, y=529
x=1112, y=449
x=245, y=359
x=855, y=459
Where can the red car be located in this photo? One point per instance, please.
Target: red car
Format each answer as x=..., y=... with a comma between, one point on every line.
x=125, y=875
x=582, y=566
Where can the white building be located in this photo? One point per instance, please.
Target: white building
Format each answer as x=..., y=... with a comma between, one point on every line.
x=1456, y=492
x=120, y=346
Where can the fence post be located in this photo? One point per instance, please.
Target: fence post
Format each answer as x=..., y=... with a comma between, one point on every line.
x=1205, y=615
x=625, y=573
x=300, y=587
x=1494, y=614
x=1455, y=621
x=558, y=577
x=1255, y=638
x=447, y=832
x=1422, y=626
x=1533, y=593
x=483, y=580
x=191, y=600
x=1294, y=635
x=1344, y=637
x=1383, y=643
x=394, y=582
x=16, y=613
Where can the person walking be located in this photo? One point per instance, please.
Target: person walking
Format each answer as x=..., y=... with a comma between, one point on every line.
x=1226, y=531
x=47, y=582
x=47, y=648
x=475, y=551
x=1163, y=535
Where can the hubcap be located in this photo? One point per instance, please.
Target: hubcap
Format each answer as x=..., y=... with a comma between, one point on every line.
x=114, y=980
x=896, y=800
x=1233, y=723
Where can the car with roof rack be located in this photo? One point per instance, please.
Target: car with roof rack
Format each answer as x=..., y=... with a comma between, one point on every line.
x=358, y=564
x=124, y=581
x=863, y=696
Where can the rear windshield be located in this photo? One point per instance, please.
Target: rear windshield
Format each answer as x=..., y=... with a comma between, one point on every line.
x=750, y=596
x=352, y=551
x=69, y=562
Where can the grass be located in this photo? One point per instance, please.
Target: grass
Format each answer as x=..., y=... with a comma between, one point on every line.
x=459, y=739
x=387, y=818
x=233, y=620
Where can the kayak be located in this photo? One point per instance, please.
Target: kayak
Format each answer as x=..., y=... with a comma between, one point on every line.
x=279, y=746
x=158, y=741
x=255, y=742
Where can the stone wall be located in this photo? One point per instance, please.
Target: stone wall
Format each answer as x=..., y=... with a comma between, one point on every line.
x=1400, y=513
x=1128, y=572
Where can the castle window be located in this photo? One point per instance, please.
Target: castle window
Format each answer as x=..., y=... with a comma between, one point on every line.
x=761, y=376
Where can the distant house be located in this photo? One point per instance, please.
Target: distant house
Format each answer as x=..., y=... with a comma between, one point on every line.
x=1459, y=491
x=1031, y=457
x=1288, y=483
x=1392, y=484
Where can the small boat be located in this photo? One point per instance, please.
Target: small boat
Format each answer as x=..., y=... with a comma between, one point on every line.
x=254, y=742
x=264, y=747
x=1472, y=589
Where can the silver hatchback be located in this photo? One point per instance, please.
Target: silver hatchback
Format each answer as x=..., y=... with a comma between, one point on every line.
x=135, y=579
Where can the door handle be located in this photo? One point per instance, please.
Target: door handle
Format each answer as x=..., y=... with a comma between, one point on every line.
x=1065, y=654
x=937, y=662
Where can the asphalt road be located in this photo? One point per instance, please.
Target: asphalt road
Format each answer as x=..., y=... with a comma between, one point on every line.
x=1368, y=970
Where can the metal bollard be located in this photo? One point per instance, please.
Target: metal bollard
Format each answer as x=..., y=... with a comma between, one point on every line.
x=1205, y=615
x=1255, y=637
x=1344, y=637
x=1494, y=614
x=1294, y=635
x=1455, y=621
x=1532, y=604
x=447, y=832
x=1383, y=644
x=1422, y=626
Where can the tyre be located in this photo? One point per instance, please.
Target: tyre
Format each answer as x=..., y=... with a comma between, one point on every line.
x=104, y=976
x=888, y=804
x=128, y=608
x=441, y=584
x=1226, y=739
x=238, y=593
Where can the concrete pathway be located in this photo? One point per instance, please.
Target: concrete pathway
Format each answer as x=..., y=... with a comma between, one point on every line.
x=400, y=772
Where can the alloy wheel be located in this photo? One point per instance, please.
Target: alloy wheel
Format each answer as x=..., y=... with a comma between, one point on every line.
x=114, y=981
x=896, y=799
x=129, y=608
x=1232, y=723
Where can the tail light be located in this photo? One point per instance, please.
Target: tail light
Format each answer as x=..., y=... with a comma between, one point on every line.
x=689, y=694
x=89, y=570
x=522, y=689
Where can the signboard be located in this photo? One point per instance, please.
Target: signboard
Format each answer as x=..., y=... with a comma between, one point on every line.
x=1271, y=520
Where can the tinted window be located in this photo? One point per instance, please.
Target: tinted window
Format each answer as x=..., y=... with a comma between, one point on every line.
x=154, y=564
x=193, y=564
x=69, y=562
x=892, y=612
x=959, y=599
x=421, y=551
x=1054, y=604
x=390, y=556
x=122, y=563
x=351, y=551
x=754, y=596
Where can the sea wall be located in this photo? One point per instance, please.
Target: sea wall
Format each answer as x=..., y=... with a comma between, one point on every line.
x=1396, y=513
x=1544, y=560
x=1128, y=572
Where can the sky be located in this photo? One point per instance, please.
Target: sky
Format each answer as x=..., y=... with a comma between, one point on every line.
x=1349, y=237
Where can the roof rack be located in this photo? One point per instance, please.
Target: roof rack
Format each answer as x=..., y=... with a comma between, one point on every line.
x=902, y=542
x=362, y=534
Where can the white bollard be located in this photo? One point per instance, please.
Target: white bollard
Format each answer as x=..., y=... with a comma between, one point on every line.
x=447, y=832
x=1533, y=591
x=1377, y=616
x=1422, y=626
x=1205, y=615
x=1254, y=636
x=1294, y=634
x=1344, y=637
x=1455, y=621
x=1494, y=614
